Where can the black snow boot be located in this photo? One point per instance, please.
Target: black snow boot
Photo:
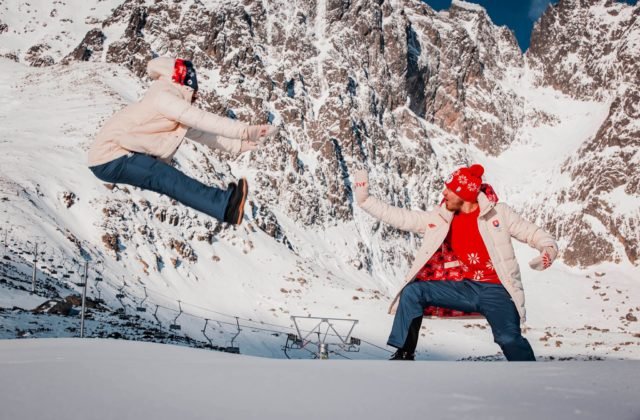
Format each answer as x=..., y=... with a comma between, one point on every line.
x=235, y=207
x=403, y=355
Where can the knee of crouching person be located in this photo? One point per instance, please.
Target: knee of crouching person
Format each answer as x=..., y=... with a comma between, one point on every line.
x=411, y=292
x=506, y=340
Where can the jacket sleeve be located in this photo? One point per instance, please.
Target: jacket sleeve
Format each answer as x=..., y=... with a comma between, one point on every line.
x=407, y=220
x=215, y=141
x=527, y=232
x=177, y=109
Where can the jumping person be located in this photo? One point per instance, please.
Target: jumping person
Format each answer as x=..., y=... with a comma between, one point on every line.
x=136, y=145
x=483, y=276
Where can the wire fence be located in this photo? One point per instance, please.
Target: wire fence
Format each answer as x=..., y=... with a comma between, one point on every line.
x=53, y=267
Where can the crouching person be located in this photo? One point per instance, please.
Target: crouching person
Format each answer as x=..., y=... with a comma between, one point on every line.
x=466, y=262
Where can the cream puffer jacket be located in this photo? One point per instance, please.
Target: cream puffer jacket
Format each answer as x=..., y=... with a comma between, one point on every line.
x=497, y=223
x=158, y=123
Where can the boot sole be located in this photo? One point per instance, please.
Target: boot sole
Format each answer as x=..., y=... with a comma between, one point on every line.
x=245, y=190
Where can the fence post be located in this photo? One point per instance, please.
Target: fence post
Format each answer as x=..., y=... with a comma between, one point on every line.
x=35, y=264
x=84, y=297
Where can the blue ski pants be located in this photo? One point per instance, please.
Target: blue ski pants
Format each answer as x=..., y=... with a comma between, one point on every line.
x=490, y=300
x=149, y=173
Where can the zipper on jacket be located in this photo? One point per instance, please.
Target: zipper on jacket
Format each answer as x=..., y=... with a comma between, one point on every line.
x=511, y=285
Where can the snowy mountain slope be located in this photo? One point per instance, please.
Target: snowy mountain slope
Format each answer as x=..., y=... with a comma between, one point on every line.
x=42, y=32
x=592, y=66
x=404, y=91
x=603, y=177
x=349, y=84
x=238, y=272
x=146, y=380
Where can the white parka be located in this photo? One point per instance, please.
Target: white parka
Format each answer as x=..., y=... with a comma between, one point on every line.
x=497, y=224
x=158, y=123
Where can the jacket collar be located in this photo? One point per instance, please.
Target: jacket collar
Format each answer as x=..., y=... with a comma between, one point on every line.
x=485, y=204
x=445, y=214
x=185, y=91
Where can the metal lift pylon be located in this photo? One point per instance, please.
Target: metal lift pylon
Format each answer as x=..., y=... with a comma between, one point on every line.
x=323, y=327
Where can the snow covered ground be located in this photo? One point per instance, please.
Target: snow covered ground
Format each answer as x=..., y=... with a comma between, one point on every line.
x=110, y=379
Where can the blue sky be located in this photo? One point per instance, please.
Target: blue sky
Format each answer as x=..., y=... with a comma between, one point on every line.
x=519, y=15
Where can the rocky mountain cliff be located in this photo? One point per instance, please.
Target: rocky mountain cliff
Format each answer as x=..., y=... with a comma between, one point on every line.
x=391, y=86
x=590, y=50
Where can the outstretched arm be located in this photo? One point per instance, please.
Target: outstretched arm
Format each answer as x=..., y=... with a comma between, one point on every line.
x=215, y=141
x=408, y=220
x=533, y=235
x=178, y=109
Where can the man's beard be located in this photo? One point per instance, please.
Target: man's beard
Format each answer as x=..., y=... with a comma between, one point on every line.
x=453, y=206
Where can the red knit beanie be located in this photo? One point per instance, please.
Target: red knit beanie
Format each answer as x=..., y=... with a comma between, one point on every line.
x=465, y=182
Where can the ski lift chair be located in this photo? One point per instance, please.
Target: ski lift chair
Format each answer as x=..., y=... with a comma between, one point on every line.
x=294, y=342
x=140, y=307
x=175, y=326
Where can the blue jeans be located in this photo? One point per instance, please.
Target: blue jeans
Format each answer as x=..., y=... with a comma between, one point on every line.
x=149, y=173
x=491, y=300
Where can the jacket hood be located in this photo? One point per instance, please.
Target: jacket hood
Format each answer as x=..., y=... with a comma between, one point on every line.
x=486, y=203
x=161, y=67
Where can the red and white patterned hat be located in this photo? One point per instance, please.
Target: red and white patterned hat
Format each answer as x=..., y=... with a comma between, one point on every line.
x=466, y=182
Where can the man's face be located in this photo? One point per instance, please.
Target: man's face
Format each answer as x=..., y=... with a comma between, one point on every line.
x=451, y=200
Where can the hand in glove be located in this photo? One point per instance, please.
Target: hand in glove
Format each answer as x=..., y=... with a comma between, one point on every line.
x=258, y=133
x=361, y=186
x=545, y=259
x=248, y=146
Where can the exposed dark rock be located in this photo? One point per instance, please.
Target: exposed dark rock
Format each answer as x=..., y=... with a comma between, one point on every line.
x=91, y=45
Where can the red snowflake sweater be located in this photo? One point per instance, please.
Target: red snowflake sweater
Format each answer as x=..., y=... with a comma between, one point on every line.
x=462, y=255
x=467, y=245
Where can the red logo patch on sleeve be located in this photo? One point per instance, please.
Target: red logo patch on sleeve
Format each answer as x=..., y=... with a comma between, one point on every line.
x=496, y=223
x=431, y=225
